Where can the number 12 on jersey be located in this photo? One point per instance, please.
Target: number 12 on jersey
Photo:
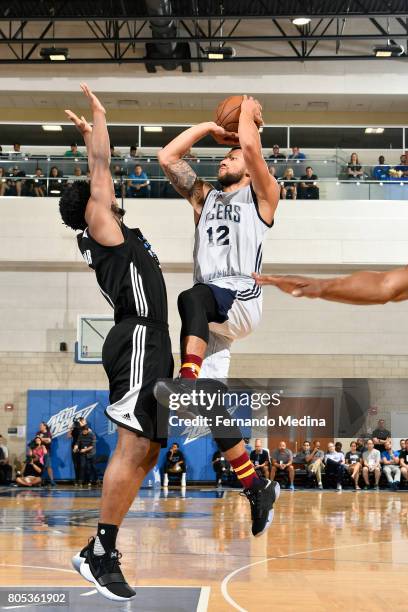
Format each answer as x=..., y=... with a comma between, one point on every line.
x=219, y=237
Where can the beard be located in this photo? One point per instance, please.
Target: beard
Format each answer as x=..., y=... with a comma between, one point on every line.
x=230, y=178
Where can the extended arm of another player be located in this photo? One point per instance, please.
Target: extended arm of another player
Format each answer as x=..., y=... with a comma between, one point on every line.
x=360, y=288
x=265, y=186
x=99, y=217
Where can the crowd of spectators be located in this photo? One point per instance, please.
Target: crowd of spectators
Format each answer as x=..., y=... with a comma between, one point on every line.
x=131, y=180
x=361, y=467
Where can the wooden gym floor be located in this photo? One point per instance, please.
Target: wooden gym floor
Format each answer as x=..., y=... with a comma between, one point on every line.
x=326, y=551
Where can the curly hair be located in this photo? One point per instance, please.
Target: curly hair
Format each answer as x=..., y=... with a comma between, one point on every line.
x=73, y=203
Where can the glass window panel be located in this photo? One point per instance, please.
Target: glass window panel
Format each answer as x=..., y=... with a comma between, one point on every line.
x=345, y=138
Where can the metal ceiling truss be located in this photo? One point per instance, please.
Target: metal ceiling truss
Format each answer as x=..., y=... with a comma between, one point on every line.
x=117, y=30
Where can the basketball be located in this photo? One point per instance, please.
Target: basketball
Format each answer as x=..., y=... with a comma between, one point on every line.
x=228, y=112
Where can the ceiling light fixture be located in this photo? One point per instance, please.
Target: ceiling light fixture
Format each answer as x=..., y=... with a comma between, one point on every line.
x=220, y=53
x=53, y=54
x=389, y=50
x=372, y=130
x=52, y=128
x=301, y=21
x=152, y=128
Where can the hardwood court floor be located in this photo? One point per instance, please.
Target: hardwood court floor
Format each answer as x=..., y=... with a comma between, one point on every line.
x=326, y=551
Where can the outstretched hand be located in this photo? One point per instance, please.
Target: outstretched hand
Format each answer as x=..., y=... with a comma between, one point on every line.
x=297, y=286
x=223, y=137
x=251, y=106
x=94, y=102
x=81, y=124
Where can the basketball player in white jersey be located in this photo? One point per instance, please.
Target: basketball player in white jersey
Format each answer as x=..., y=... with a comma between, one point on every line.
x=225, y=304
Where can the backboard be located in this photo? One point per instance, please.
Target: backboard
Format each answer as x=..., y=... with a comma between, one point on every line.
x=91, y=333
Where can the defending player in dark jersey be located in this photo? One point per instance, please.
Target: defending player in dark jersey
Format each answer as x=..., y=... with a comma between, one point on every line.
x=136, y=351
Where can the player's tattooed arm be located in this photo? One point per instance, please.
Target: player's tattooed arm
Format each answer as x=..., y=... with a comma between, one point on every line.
x=186, y=182
x=179, y=172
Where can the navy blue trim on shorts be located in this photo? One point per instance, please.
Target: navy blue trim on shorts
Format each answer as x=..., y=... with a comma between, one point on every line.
x=249, y=294
x=225, y=299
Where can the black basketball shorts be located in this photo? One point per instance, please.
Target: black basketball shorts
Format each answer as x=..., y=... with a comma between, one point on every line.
x=135, y=354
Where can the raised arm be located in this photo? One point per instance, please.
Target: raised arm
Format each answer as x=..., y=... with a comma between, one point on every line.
x=179, y=172
x=265, y=185
x=103, y=225
x=361, y=288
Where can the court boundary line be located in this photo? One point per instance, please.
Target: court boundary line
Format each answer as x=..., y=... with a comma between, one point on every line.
x=204, y=599
x=228, y=577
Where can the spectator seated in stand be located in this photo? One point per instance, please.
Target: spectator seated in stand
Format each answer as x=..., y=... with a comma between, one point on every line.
x=55, y=183
x=296, y=154
x=73, y=151
x=223, y=470
x=371, y=465
x=361, y=445
x=17, y=152
x=288, y=185
x=300, y=459
x=78, y=171
x=314, y=462
x=391, y=466
x=31, y=473
x=272, y=170
x=119, y=184
x=14, y=185
x=354, y=169
x=354, y=464
x=261, y=460
x=39, y=184
x=308, y=189
x=400, y=171
x=403, y=457
x=381, y=172
x=114, y=152
x=282, y=463
x=86, y=448
x=338, y=447
x=38, y=450
x=138, y=183
x=276, y=155
x=175, y=464
x=133, y=152
x=380, y=435
x=5, y=467
x=335, y=465
x=1, y=152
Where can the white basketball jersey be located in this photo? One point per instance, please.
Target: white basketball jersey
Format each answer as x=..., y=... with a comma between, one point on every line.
x=228, y=240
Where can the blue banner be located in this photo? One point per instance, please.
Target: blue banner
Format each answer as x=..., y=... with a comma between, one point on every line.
x=60, y=408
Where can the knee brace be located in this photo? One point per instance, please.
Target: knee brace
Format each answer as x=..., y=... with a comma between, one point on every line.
x=197, y=306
